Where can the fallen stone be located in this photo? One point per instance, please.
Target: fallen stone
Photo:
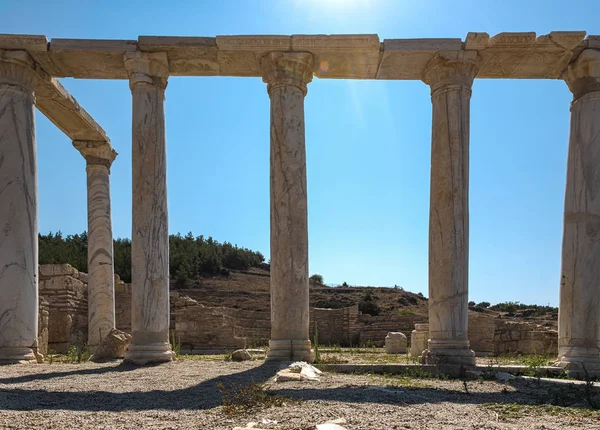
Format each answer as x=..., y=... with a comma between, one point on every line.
x=113, y=346
x=241, y=355
x=395, y=343
x=503, y=376
x=298, y=371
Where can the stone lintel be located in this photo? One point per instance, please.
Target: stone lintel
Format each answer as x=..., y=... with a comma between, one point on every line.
x=187, y=56
x=28, y=42
x=90, y=58
x=593, y=42
x=505, y=55
x=96, y=152
x=525, y=56
x=60, y=107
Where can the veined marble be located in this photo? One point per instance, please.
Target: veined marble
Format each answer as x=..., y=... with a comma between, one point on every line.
x=101, y=290
x=287, y=75
x=450, y=78
x=579, y=317
x=18, y=210
x=150, y=236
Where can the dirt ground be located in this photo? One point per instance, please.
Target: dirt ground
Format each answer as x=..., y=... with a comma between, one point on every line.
x=185, y=394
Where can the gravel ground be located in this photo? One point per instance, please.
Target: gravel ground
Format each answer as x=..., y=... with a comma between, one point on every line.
x=184, y=394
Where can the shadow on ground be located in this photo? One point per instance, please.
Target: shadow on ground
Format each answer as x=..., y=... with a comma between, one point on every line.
x=206, y=394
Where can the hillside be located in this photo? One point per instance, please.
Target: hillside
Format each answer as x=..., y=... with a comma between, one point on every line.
x=250, y=290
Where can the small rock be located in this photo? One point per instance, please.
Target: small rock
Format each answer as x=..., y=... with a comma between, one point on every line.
x=503, y=376
x=241, y=355
x=114, y=345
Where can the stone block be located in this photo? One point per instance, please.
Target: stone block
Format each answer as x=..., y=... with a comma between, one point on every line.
x=114, y=345
x=395, y=343
x=49, y=270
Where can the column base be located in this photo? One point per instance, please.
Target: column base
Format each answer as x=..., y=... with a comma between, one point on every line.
x=577, y=361
x=453, y=352
x=290, y=350
x=15, y=355
x=159, y=352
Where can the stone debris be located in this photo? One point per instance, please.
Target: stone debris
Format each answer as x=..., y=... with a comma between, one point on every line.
x=395, y=343
x=298, y=371
x=241, y=355
x=114, y=345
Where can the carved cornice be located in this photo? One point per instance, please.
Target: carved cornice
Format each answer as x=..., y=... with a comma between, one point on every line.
x=287, y=68
x=583, y=75
x=17, y=70
x=147, y=68
x=96, y=152
x=446, y=69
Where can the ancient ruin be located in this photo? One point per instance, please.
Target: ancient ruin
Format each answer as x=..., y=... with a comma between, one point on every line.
x=29, y=66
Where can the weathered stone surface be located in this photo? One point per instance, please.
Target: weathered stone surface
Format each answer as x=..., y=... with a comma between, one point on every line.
x=287, y=75
x=18, y=209
x=450, y=76
x=101, y=291
x=579, y=319
x=114, y=345
x=148, y=75
x=241, y=355
x=395, y=343
x=418, y=339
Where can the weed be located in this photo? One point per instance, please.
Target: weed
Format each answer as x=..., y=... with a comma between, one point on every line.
x=238, y=399
x=176, y=344
x=316, y=346
x=51, y=354
x=508, y=411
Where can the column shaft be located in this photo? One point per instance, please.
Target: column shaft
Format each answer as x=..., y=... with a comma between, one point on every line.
x=150, y=235
x=579, y=316
x=287, y=76
x=449, y=212
x=18, y=210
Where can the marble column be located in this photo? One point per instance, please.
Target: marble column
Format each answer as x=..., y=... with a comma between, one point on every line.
x=148, y=75
x=579, y=312
x=101, y=287
x=18, y=209
x=450, y=77
x=287, y=76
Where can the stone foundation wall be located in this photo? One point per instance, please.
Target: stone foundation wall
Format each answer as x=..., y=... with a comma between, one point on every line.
x=43, y=315
x=64, y=290
x=63, y=322
x=122, y=305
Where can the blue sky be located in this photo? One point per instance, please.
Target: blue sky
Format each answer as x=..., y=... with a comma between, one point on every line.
x=368, y=142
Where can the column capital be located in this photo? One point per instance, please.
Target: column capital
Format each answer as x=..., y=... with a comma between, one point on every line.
x=583, y=75
x=287, y=68
x=453, y=68
x=147, y=68
x=18, y=69
x=96, y=152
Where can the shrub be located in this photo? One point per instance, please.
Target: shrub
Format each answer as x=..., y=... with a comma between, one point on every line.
x=368, y=304
x=317, y=279
x=238, y=399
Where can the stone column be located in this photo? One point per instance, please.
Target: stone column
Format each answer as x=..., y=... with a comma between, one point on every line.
x=148, y=75
x=579, y=313
x=450, y=77
x=18, y=209
x=287, y=75
x=101, y=288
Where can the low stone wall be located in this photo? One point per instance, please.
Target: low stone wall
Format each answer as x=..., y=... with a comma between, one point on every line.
x=524, y=338
x=198, y=328
x=122, y=305
x=43, y=315
x=66, y=295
